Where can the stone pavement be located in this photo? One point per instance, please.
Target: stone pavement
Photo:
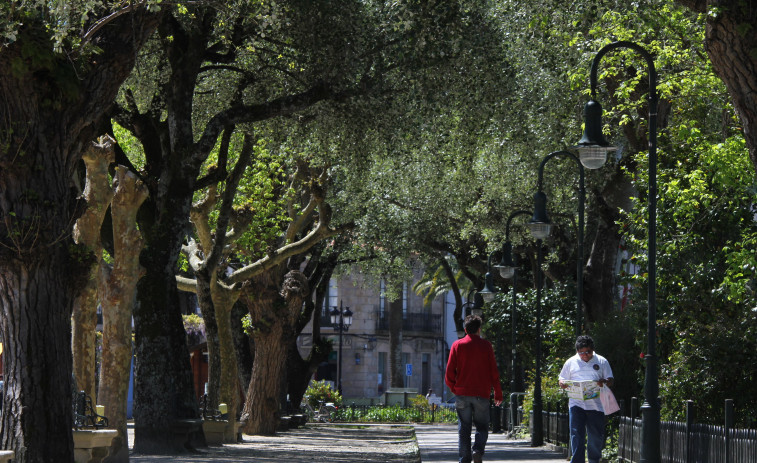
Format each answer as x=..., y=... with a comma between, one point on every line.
x=336, y=443
x=439, y=443
x=358, y=443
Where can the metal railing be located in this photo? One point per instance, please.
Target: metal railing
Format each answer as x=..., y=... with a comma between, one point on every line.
x=689, y=441
x=424, y=322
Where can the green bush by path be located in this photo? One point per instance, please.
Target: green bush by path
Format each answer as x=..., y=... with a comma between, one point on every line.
x=395, y=414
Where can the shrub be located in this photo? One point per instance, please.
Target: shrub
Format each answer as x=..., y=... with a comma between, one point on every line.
x=321, y=391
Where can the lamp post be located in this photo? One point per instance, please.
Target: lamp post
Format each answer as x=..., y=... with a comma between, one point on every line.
x=593, y=147
x=581, y=202
x=508, y=270
x=341, y=321
x=537, y=437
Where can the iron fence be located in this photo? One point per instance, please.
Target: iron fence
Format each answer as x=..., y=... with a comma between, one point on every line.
x=689, y=442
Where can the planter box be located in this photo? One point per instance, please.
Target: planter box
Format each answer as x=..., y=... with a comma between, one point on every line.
x=91, y=446
x=6, y=455
x=214, y=431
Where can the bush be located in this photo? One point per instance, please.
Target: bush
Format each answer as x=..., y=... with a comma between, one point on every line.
x=419, y=401
x=321, y=391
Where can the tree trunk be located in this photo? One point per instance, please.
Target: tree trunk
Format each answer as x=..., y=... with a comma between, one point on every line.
x=397, y=369
x=84, y=338
x=242, y=344
x=36, y=297
x=98, y=194
x=229, y=391
x=118, y=293
x=600, y=273
x=300, y=371
x=51, y=106
x=205, y=282
x=163, y=390
x=730, y=41
x=273, y=317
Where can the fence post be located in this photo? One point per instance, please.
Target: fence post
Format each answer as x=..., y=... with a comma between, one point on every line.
x=621, y=444
x=689, y=424
x=513, y=412
x=634, y=409
x=729, y=422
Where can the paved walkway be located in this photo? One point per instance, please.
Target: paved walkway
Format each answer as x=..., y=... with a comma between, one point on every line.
x=439, y=443
x=358, y=443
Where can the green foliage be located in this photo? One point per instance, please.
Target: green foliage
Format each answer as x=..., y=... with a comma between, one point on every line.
x=321, y=392
x=194, y=325
x=419, y=401
x=396, y=414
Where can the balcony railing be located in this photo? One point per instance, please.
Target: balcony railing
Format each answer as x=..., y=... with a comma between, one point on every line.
x=425, y=322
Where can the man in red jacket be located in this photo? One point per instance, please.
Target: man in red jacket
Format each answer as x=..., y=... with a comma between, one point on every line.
x=471, y=374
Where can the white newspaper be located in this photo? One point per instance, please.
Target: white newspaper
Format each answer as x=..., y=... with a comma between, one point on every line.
x=583, y=390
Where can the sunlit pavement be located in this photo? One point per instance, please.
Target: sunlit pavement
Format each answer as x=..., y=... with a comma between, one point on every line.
x=439, y=443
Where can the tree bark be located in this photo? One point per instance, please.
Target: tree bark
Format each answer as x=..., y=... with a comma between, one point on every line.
x=98, y=194
x=397, y=370
x=731, y=43
x=36, y=296
x=163, y=389
x=50, y=111
x=273, y=317
x=117, y=296
x=242, y=345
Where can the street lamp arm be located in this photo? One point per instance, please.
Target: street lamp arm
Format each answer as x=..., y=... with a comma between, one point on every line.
x=633, y=46
x=510, y=219
x=555, y=154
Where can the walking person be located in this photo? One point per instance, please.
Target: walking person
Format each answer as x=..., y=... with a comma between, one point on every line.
x=471, y=375
x=586, y=414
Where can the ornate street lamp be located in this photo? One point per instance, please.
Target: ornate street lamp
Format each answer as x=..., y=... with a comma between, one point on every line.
x=542, y=216
x=508, y=270
x=341, y=321
x=593, y=142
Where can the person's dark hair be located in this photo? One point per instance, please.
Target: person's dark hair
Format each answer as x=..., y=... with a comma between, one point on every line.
x=472, y=323
x=584, y=341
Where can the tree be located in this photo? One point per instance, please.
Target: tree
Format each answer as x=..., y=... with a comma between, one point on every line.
x=98, y=195
x=730, y=43
x=261, y=65
x=54, y=89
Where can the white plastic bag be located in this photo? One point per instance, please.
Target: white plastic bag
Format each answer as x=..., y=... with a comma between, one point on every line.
x=609, y=404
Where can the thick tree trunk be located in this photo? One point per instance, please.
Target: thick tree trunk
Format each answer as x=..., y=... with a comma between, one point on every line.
x=730, y=40
x=242, y=344
x=98, y=194
x=117, y=296
x=84, y=338
x=163, y=390
x=51, y=106
x=273, y=316
x=36, y=298
x=207, y=307
x=300, y=371
x=397, y=369
x=229, y=392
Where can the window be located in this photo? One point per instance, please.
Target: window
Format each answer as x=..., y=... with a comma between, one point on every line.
x=404, y=300
x=381, y=372
x=331, y=300
x=405, y=363
x=382, y=300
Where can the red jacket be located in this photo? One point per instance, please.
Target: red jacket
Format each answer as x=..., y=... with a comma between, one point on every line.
x=472, y=369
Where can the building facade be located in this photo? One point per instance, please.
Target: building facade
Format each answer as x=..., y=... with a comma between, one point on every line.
x=365, y=353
